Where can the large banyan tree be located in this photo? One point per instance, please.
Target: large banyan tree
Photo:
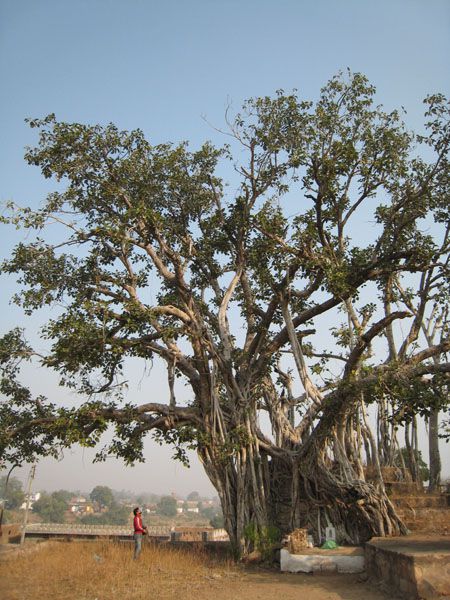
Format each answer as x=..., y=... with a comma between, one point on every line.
x=310, y=289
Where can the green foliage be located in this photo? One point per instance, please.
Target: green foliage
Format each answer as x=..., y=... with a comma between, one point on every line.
x=424, y=471
x=64, y=495
x=12, y=493
x=263, y=539
x=148, y=242
x=51, y=507
x=418, y=396
x=167, y=506
x=214, y=515
x=102, y=495
x=193, y=496
x=143, y=498
x=115, y=515
x=236, y=438
x=217, y=521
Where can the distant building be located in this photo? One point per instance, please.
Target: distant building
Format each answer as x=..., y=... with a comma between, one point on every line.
x=150, y=509
x=33, y=499
x=192, y=506
x=80, y=506
x=77, y=500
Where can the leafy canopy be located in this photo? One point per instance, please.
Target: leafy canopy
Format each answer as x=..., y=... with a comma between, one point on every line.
x=150, y=257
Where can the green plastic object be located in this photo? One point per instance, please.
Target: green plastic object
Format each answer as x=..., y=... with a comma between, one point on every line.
x=329, y=545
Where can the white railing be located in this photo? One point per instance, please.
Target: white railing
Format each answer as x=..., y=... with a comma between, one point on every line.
x=73, y=529
x=81, y=529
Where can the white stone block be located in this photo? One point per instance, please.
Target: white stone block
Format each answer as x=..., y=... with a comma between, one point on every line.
x=308, y=563
x=330, y=534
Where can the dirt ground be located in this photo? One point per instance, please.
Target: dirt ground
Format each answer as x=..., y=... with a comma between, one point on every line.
x=284, y=586
x=88, y=571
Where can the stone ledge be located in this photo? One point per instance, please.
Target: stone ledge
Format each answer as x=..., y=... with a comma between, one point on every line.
x=413, y=566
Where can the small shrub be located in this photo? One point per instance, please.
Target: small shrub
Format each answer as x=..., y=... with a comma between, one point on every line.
x=262, y=539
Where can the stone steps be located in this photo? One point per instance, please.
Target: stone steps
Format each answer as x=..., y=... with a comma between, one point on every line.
x=424, y=513
x=426, y=520
x=401, y=488
x=421, y=501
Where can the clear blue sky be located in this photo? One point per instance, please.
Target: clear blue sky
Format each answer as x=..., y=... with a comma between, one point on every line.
x=161, y=66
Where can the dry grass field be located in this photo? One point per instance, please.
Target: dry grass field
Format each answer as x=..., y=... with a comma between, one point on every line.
x=106, y=571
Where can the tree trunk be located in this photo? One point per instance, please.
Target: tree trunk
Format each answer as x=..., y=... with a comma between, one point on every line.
x=410, y=455
x=289, y=492
x=433, y=446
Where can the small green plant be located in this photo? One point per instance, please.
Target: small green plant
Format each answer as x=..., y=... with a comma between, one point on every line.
x=262, y=539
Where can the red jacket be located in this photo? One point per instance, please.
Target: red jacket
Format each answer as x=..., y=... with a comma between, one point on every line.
x=137, y=522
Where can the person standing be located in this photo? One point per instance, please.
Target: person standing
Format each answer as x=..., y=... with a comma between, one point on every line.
x=139, y=531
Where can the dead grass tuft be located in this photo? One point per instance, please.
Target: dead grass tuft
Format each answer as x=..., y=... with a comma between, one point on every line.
x=105, y=571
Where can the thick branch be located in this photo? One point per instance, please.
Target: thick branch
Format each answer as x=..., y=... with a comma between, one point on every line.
x=365, y=339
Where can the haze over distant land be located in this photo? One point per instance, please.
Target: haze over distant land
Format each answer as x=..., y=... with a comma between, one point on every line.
x=159, y=475
x=162, y=67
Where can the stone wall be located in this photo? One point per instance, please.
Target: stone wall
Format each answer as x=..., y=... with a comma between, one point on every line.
x=10, y=533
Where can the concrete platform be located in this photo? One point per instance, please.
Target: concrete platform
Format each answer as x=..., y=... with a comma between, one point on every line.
x=314, y=560
x=413, y=567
